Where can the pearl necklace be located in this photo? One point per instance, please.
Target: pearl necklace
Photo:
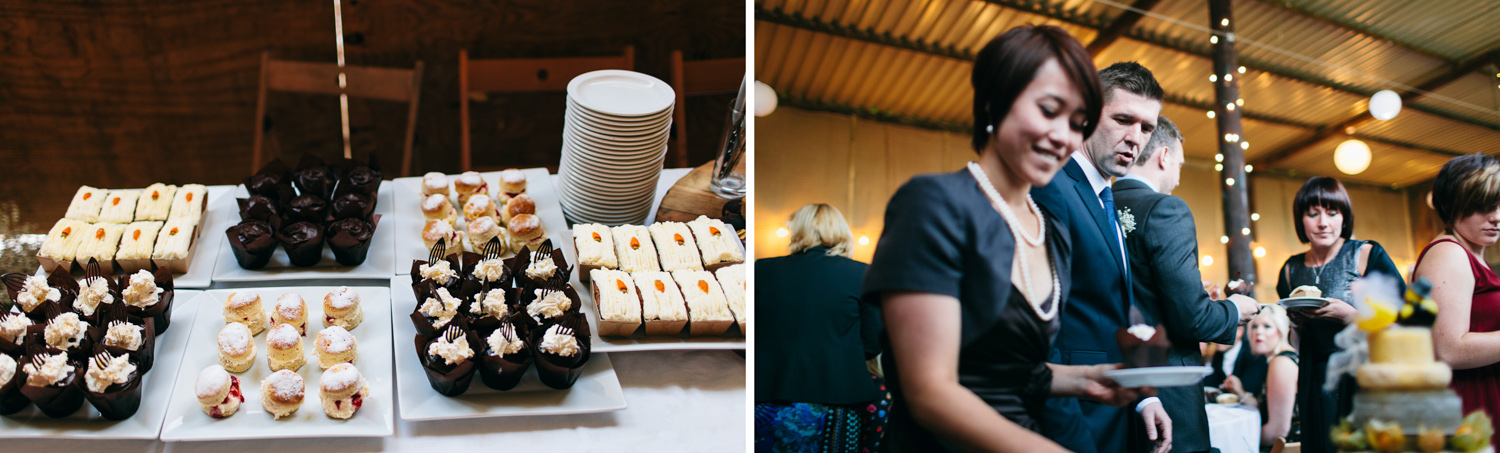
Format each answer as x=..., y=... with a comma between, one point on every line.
x=1014, y=223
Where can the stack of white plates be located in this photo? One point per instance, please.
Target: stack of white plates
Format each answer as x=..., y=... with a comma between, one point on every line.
x=614, y=142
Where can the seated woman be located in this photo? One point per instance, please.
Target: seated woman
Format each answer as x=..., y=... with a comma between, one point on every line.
x=1276, y=397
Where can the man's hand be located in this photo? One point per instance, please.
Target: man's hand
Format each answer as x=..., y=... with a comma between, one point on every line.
x=1248, y=307
x=1158, y=427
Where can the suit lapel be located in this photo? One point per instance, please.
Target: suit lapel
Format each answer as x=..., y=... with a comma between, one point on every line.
x=1092, y=204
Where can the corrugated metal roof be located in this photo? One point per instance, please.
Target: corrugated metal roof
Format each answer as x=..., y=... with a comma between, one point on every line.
x=909, y=59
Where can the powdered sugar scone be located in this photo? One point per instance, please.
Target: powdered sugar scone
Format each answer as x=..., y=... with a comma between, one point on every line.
x=93, y=291
x=479, y=206
x=87, y=203
x=334, y=346
x=512, y=183
x=341, y=308
x=343, y=390
x=290, y=309
x=438, y=230
x=119, y=206
x=236, y=347
x=595, y=247
x=245, y=308
x=282, y=392
x=284, y=348
x=674, y=241
x=435, y=183
x=483, y=229
x=526, y=232
x=188, y=202
x=618, y=302
x=136, y=245
x=437, y=207
x=61, y=245
x=634, y=250
x=663, y=309
x=732, y=280
x=717, y=241
x=708, y=310
x=469, y=184
x=101, y=243
x=155, y=203
x=218, y=392
x=520, y=204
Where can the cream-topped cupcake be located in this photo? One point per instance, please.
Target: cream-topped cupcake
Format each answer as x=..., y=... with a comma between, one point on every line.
x=65, y=331
x=542, y=267
x=441, y=272
x=634, y=250
x=124, y=335
x=87, y=203
x=93, y=291
x=55, y=368
x=504, y=342
x=137, y=241
x=618, y=302
x=595, y=246
x=119, y=206
x=282, y=392
x=116, y=370
x=490, y=304
x=142, y=292
x=555, y=341
x=490, y=270
x=549, y=304
x=441, y=308
x=674, y=241
x=708, y=310
x=732, y=280
x=13, y=327
x=155, y=203
x=451, y=352
x=34, y=292
x=7, y=369
x=245, y=308
x=716, y=240
x=174, y=239
x=662, y=307
x=187, y=203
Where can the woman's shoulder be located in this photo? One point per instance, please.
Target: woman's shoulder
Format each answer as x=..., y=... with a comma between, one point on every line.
x=1285, y=358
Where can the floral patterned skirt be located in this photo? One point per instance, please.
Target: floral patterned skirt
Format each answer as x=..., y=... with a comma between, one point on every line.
x=821, y=428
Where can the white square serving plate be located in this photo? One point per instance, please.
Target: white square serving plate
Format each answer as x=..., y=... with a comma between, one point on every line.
x=597, y=389
x=156, y=390
x=379, y=264
x=186, y=421
x=409, y=223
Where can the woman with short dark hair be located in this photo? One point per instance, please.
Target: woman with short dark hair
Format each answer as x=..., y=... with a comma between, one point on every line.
x=1466, y=195
x=971, y=275
x=1324, y=220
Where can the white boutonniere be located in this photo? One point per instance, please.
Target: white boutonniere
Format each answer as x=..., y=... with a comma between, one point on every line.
x=1127, y=221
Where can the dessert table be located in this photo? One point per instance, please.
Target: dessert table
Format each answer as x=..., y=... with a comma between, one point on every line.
x=689, y=400
x=1233, y=428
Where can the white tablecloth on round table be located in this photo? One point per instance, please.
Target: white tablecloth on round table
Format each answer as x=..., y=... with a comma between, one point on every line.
x=1233, y=429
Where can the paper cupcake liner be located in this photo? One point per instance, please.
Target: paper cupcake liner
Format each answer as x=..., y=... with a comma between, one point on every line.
x=11, y=398
x=312, y=176
x=451, y=382
x=557, y=371
x=348, y=250
x=161, y=313
x=144, y=357
x=518, y=264
x=267, y=180
x=56, y=401
x=503, y=373
x=308, y=253
x=118, y=402
x=257, y=253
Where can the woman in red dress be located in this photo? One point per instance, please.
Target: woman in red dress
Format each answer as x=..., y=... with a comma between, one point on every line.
x=1466, y=335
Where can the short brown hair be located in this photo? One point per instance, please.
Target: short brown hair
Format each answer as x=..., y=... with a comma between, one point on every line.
x=1466, y=185
x=1006, y=65
x=1328, y=193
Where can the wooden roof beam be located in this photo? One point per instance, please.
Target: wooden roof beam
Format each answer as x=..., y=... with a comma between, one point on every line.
x=1121, y=25
x=1356, y=27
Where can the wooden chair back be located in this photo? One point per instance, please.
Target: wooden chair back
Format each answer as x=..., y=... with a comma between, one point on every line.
x=694, y=78
x=522, y=75
x=368, y=82
x=1282, y=446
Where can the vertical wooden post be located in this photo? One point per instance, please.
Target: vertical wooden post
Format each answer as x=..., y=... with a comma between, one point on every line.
x=1232, y=181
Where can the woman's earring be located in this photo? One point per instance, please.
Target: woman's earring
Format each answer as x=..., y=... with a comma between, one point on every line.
x=990, y=129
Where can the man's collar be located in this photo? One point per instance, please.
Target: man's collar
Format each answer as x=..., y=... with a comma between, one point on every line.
x=1096, y=180
x=1145, y=181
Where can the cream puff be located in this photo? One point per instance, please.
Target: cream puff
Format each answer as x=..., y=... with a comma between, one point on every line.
x=284, y=348
x=343, y=390
x=526, y=232
x=236, y=347
x=218, y=392
x=245, y=308
x=334, y=346
x=437, y=207
x=282, y=392
x=341, y=308
x=470, y=184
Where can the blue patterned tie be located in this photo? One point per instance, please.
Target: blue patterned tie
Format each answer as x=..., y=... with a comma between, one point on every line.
x=1108, y=197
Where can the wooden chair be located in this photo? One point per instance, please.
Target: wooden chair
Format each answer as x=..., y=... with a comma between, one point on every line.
x=1282, y=446
x=386, y=84
x=520, y=75
x=694, y=78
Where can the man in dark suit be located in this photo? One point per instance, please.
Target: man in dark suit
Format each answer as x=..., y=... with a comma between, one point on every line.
x=1082, y=201
x=1161, y=239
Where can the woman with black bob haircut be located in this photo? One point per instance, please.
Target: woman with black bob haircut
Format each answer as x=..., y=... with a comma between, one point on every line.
x=970, y=273
x=1324, y=219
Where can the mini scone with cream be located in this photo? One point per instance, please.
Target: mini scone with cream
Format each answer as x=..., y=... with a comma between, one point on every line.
x=334, y=346
x=512, y=183
x=341, y=308
x=87, y=203
x=282, y=392
x=284, y=348
x=521, y=204
x=469, y=184
x=435, y=183
x=708, y=310
x=526, y=231
x=13, y=327
x=155, y=203
x=437, y=207
x=236, y=347
x=119, y=206
x=245, y=308
x=634, y=250
x=218, y=392
x=674, y=241
x=290, y=309
x=343, y=391
x=479, y=206
x=438, y=230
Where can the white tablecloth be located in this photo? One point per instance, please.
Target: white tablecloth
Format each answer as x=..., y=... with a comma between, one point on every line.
x=1233, y=429
x=677, y=401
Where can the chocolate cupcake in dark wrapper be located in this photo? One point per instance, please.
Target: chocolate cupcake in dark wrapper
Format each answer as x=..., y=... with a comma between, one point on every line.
x=349, y=205
x=17, y=284
x=361, y=177
x=454, y=282
x=544, y=311
x=306, y=208
x=266, y=180
x=350, y=239
x=144, y=354
x=159, y=312
x=76, y=344
x=94, y=272
x=13, y=333
x=448, y=379
x=489, y=271
x=502, y=371
x=260, y=207
x=52, y=383
x=303, y=242
x=11, y=398
x=429, y=318
x=313, y=177
x=559, y=362
x=253, y=243
x=117, y=400
x=481, y=319
x=521, y=263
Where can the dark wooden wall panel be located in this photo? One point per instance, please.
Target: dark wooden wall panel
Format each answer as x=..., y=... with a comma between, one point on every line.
x=124, y=93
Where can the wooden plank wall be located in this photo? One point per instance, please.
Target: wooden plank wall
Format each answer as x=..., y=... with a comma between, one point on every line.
x=124, y=93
